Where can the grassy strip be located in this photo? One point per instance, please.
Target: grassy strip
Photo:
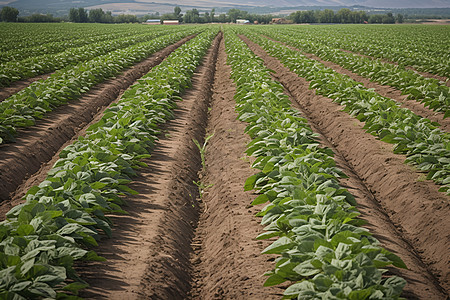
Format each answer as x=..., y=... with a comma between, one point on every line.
x=322, y=250
x=428, y=91
x=425, y=145
x=22, y=109
x=64, y=216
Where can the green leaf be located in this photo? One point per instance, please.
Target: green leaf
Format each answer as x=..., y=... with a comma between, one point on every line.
x=279, y=245
x=25, y=229
x=274, y=279
x=260, y=199
x=250, y=182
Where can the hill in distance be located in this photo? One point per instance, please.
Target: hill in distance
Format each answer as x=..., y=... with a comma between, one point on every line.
x=60, y=7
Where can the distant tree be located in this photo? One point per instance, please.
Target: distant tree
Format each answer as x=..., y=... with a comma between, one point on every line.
x=326, y=16
x=223, y=18
x=168, y=17
x=376, y=19
x=207, y=18
x=96, y=15
x=126, y=19
x=343, y=16
x=388, y=19
x=307, y=16
x=83, y=15
x=192, y=16
x=9, y=14
x=234, y=14
x=107, y=17
x=400, y=18
x=73, y=15
x=40, y=18
x=177, y=13
x=213, y=12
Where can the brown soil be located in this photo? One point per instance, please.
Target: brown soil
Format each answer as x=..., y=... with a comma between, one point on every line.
x=148, y=256
x=173, y=244
x=226, y=260
x=407, y=215
x=152, y=254
x=17, y=86
x=386, y=91
x=38, y=145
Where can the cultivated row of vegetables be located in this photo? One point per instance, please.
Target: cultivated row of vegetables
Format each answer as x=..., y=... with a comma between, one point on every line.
x=62, y=45
x=23, y=108
x=16, y=36
x=323, y=251
x=425, y=145
x=65, y=216
x=425, y=48
x=46, y=63
x=431, y=92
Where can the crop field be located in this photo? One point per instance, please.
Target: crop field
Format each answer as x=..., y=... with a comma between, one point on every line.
x=224, y=162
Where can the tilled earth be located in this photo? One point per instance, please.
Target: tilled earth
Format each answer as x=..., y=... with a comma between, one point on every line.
x=190, y=233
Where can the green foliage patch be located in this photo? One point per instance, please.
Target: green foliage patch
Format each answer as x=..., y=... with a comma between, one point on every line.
x=322, y=250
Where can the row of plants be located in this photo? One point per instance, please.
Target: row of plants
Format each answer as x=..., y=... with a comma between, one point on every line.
x=34, y=102
x=323, y=252
x=426, y=146
x=422, y=47
x=43, y=64
x=62, y=45
x=26, y=35
x=429, y=91
x=65, y=216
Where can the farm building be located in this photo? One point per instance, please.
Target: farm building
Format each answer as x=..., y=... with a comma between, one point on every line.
x=242, y=21
x=171, y=22
x=153, y=22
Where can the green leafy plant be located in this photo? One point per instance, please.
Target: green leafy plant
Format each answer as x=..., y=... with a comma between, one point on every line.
x=429, y=91
x=425, y=145
x=65, y=216
x=34, y=102
x=202, y=148
x=323, y=253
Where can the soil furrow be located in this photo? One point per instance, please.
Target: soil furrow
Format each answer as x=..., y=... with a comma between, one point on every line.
x=17, y=86
x=38, y=144
x=408, y=216
x=148, y=256
x=227, y=258
x=385, y=91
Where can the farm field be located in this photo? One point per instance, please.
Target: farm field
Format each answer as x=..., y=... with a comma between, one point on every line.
x=224, y=162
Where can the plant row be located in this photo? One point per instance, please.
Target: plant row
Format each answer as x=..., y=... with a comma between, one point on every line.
x=23, y=108
x=322, y=250
x=62, y=45
x=33, y=66
x=424, y=48
x=425, y=145
x=66, y=215
x=23, y=35
x=428, y=91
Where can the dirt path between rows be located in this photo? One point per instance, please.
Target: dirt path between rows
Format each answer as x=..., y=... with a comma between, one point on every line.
x=408, y=216
x=226, y=260
x=148, y=256
x=385, y=91
x=17, y=86
x=424, y=74
x=39, y=144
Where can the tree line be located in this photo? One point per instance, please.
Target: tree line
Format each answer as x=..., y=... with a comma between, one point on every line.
x=82, y=15
x=343, y=16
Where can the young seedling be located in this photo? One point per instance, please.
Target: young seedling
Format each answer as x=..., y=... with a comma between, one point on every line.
x=202, y=148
